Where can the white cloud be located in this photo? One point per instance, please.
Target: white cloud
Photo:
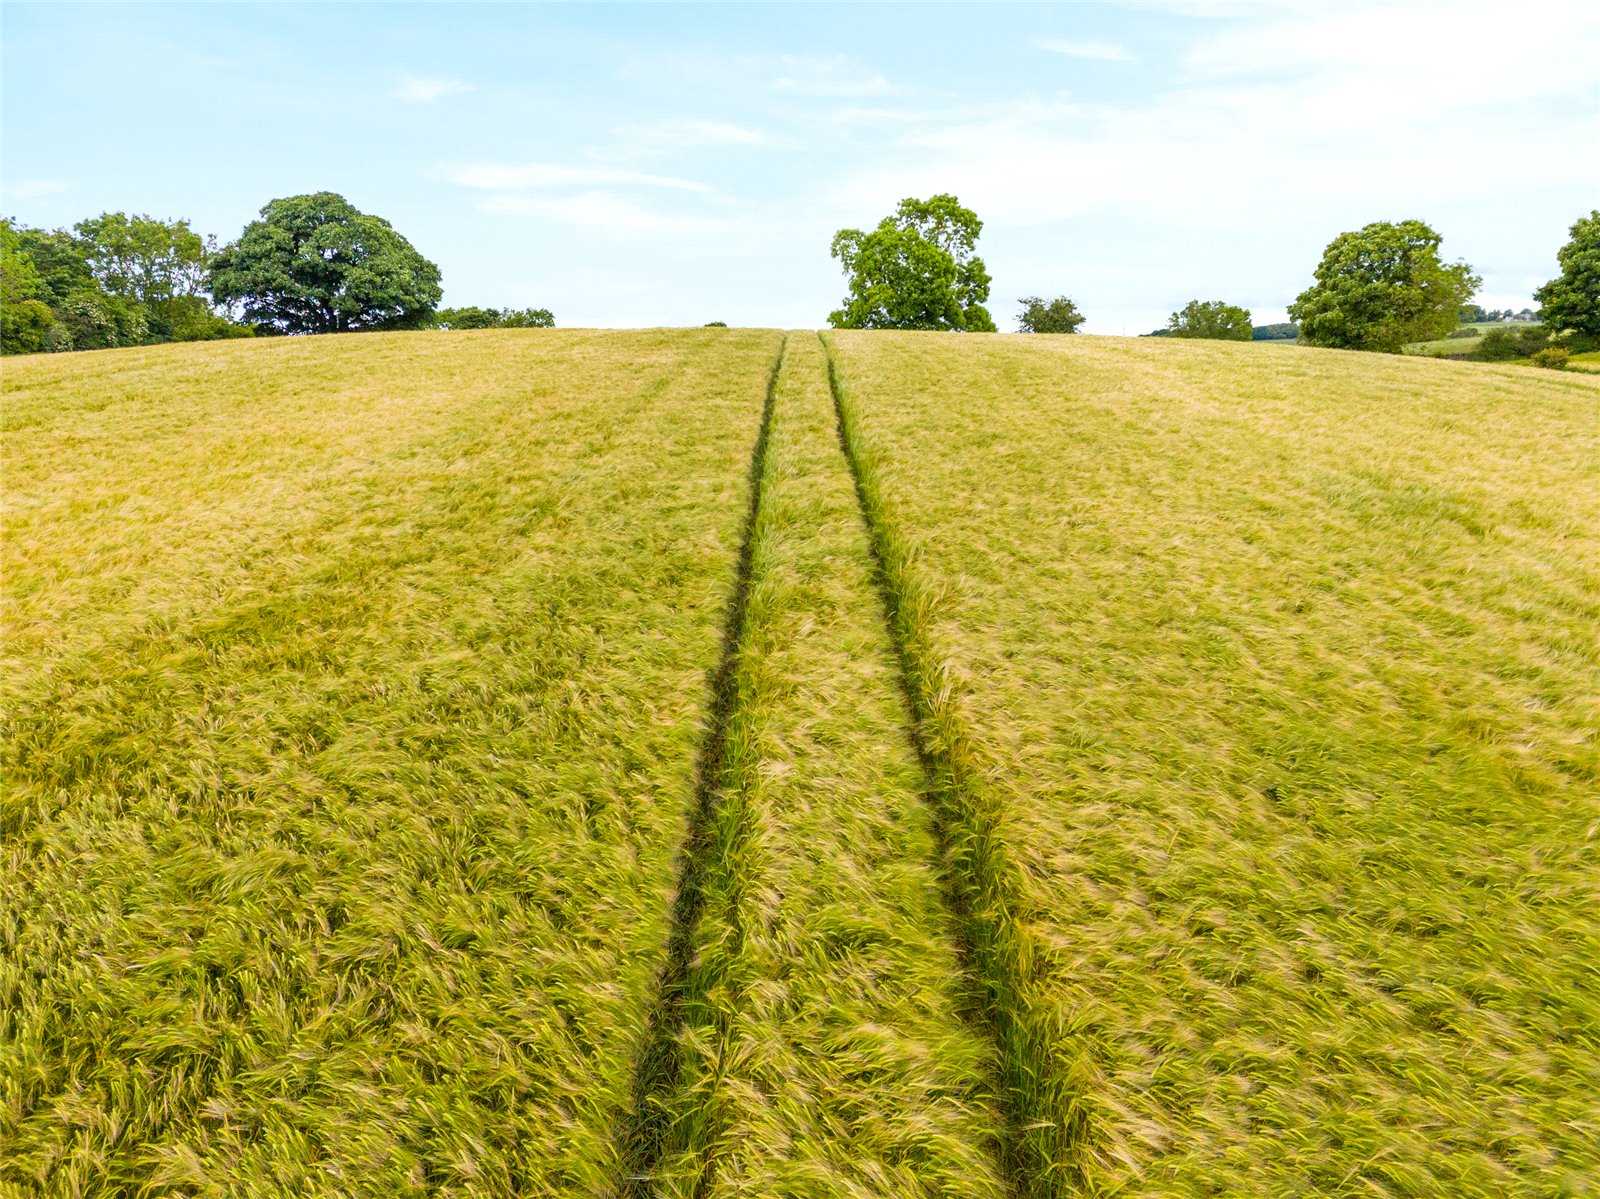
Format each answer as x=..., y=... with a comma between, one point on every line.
x=1281, y=131
x=602, y=211
x=835, y=75
x=676, y=134
x=493, y=176
x=1303, y=115
x=1473, y=52
x=1105, y=51
x=30, y=189
x=426, y=89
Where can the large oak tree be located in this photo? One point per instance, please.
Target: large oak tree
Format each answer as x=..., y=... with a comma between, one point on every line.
x=316, y=264
x=1572, y=299
x=1381, y=287
x=916, y=270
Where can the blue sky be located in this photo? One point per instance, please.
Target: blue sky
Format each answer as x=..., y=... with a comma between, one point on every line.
x=662, y=164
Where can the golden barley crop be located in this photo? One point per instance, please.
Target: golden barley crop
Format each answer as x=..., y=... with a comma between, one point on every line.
x=1270, y=688
x=719, y=762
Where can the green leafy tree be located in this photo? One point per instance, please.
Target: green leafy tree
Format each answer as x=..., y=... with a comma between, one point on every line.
x=1059, y=315
x=1572, y=299
x=916, y=270
x=152, y=262
x=466, y=318
x=61, y=260
x=22, y=327
x=190, y=318
x=1212, y=320
x=24, y=317
x=95, y=321
x=316, y=264
x=1382, y=287
x=142, y=257
x=19, y=274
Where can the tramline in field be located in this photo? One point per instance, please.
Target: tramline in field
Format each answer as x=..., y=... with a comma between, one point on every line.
x=726, y=762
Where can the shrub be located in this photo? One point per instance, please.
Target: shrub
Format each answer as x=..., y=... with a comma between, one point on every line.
x=189, y=318
x=1467, y=331
x=1039, y=315
x=716, y=324
x=23, y=326
x=1211, y=320
x=1553, y=357
x=1504, y=345
x=1498, y=345
x=88, y=323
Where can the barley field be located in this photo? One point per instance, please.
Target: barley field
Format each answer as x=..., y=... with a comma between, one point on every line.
x=735, y=763
x=1276, y=681
x=353, y=689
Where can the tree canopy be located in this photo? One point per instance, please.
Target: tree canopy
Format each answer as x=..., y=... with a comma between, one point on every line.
x=1059, y=315
x=1212, y=320
x=1381, y=287
x=1282, y=331
x=473, y=317
x=1572, y=299
x=916, y=270
x=316, y=264
x=112, y=280
x=160, y=265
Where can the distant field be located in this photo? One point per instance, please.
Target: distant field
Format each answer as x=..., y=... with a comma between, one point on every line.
x=721, y=762
x=1459, y=345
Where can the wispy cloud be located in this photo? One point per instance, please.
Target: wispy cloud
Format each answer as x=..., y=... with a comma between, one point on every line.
x=420, y=89
x=686, y=133
x=493, y=176
x=30, y=189
x=603, y=211
x=834, y=75
x=1104, y=51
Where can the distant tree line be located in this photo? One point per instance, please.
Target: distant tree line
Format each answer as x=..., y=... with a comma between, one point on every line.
x=111, y=280
x=316, y=264
x=494, y=318
x=309, y=264
x=1472, y=314
x=1283, y=331
x=1378, y=288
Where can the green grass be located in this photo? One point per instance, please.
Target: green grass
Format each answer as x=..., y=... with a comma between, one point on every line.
x=1280, y=674
x=713, y=763
x=352, y=697
x=1460, y=345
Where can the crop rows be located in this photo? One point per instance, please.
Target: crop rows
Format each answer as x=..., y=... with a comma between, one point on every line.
x=337, y=855
x=820, y=1048
x=1123, y=769
x=1282, y=688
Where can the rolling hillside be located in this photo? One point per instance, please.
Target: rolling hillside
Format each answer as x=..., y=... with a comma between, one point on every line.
x=728, y=762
